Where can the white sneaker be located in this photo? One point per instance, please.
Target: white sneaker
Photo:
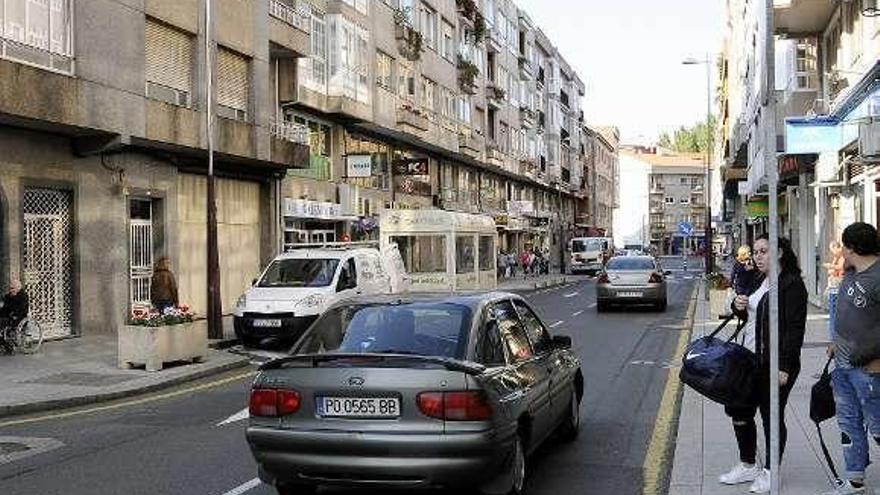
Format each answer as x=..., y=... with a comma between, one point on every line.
x=741, y=473
x=847, y=488
x=762, y=482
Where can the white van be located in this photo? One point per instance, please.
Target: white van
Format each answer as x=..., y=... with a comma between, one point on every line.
x=589, y=254
x=299, y=285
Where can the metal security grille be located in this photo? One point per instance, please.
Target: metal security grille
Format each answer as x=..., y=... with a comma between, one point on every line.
x=48, y=259
x=141, y=262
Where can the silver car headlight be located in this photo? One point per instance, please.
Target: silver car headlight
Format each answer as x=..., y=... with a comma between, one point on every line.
x=312, y=301
x=241, y=304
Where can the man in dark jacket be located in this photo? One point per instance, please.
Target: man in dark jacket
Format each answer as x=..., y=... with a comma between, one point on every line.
x=14, y=308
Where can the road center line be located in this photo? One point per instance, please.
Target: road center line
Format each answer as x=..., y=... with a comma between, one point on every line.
x=244, y=487
x=576, y=313
x=592, y=305
x=560, y=322
x=571, y=295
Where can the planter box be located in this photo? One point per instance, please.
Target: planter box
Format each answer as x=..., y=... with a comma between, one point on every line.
x=718, y=303
x=152, y=346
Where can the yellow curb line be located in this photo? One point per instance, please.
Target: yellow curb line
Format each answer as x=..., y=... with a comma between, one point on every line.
x=145, y=400
x=657, y=456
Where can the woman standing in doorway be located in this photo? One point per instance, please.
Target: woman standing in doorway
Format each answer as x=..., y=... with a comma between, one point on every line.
x=163, y=286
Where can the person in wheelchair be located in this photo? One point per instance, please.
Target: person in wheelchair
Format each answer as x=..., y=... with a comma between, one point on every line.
x=13, y=308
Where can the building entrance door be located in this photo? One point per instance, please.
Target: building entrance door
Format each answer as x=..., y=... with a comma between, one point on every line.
x=140, y=250
x=48, y=259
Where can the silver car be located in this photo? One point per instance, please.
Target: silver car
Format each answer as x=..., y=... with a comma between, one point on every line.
x=422, y=391
x=631, y=280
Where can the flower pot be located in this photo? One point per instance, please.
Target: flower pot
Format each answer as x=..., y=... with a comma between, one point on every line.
x=151, y=347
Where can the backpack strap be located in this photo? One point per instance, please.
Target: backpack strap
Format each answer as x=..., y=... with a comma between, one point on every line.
x=722, y=325
x=828, y=460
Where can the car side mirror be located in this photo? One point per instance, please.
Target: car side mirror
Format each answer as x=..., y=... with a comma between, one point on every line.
x=561, y=342
x=667, y=272
x=253, y=282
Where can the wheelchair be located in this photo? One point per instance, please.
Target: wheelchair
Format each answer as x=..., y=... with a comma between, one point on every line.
x=26, y=336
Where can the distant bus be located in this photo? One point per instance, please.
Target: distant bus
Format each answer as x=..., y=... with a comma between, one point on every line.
x=589, y=254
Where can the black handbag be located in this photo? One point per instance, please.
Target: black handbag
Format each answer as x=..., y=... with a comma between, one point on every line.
x=822, y=408
x=721, y=370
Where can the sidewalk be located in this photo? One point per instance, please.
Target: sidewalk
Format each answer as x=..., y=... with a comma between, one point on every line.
x=520, y=284
x=84, y=370
x=706, y=446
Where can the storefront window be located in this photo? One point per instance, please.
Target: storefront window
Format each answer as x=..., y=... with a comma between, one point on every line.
x=487, y=252
x=380, y=159
x=465, y=254
x=422, y=254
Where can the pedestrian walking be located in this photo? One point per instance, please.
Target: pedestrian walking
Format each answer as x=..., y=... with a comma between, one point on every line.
x=163, y=286
x=835, y=270
x=856, y=351
x=792, y=323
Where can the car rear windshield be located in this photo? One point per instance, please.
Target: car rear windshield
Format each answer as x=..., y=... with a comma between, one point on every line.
x=425, y=329
x=630, y=264
x=299, y=273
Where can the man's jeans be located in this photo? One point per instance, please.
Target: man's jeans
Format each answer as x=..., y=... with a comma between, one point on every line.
x=857, y=398
x=832, y=313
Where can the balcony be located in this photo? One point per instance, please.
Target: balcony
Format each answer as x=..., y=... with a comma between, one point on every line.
x=319, y=169
x=527, y=116
x=471, y=144
x=289, y=28
x=495, y=95
x=494, y=156
x=412, y=119
x=290, y=144
x=526, y=70
x=494, y=43
x=802, y=16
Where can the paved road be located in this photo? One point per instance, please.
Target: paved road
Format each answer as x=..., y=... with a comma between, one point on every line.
x=174, y=445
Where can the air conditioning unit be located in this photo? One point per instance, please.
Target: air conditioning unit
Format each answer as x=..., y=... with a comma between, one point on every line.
x=869, y=139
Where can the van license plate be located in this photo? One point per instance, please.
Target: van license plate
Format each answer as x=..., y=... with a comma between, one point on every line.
x=267, y=323
x=629, y=294
x=357, y=407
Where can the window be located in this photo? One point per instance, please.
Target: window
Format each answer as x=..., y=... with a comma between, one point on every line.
x=465, y=254
x=487, y=253
x=361, y=6
x=429, y=89
x=37, y=32
x=682, y=180
x=233, y=85
x=348, y=75
x=512, y=332
x=684, y=201
x=447, y=48
x=541, y=340
x=429, y=26
x=670, y=200
x=463, y=109
x=384, y=68
x=299, y=273
x=422, y=254
x=406, y=83
x=168, y=63
x=631, y=263
x=490, y=350
x=314, y=67
x=347, y=276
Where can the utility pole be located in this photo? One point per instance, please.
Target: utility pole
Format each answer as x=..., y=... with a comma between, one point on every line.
x=772, y=174
x=214, y=316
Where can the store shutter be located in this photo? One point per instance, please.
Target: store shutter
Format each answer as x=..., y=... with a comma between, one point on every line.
x=168, y=57
x=233, y=85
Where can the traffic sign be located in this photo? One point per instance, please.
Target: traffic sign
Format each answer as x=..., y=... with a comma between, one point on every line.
x=685, y=229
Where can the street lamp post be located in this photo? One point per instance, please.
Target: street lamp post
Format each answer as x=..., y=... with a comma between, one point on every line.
x=708, y=178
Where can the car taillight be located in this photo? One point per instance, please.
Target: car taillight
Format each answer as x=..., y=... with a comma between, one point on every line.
x=656, y=278
x=603, y=278
x=272, y=403
x=455, y=406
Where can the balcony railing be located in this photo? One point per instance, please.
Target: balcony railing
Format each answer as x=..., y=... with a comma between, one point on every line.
x=291, y=12
x=319, y=168
x=290, y=131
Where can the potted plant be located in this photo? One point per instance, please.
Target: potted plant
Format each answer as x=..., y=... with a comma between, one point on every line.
x=467, y=75
x=719, y=295
x=151, y=338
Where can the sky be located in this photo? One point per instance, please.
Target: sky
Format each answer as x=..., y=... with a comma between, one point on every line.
x=629, y=54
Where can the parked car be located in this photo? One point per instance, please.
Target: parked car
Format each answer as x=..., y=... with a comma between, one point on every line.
x=413, y=392
x=631, y=280
x=299, y=285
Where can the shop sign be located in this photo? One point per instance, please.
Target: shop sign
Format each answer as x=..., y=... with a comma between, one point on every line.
x=520, y=208
x=411, y=166
x=412, y=185
x=500, y=219
x=812, y=135
x=359, y=165
x=303, y=208
x=760, y=208
x=792, y=165
x=540, y=222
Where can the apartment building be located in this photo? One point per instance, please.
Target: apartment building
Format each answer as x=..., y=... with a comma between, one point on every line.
x=102, y=127
x=822, y=115
x=676, y=196
x=463, y=105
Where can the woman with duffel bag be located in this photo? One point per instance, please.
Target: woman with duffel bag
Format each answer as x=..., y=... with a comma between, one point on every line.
x=792, y=322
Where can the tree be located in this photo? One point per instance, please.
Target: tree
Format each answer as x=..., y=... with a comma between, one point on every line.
x=694, y=139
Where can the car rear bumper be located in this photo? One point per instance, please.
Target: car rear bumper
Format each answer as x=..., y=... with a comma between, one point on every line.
x=616, y=294
x=377, y=459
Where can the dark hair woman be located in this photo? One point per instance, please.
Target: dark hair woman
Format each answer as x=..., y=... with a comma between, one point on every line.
x=792, y=322
x=163, y=286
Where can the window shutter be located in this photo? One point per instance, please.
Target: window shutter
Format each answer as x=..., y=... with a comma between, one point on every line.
x=169, y=57
x=233, y=85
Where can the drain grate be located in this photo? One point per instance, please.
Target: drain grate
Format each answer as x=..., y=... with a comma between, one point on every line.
x=82, y=379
